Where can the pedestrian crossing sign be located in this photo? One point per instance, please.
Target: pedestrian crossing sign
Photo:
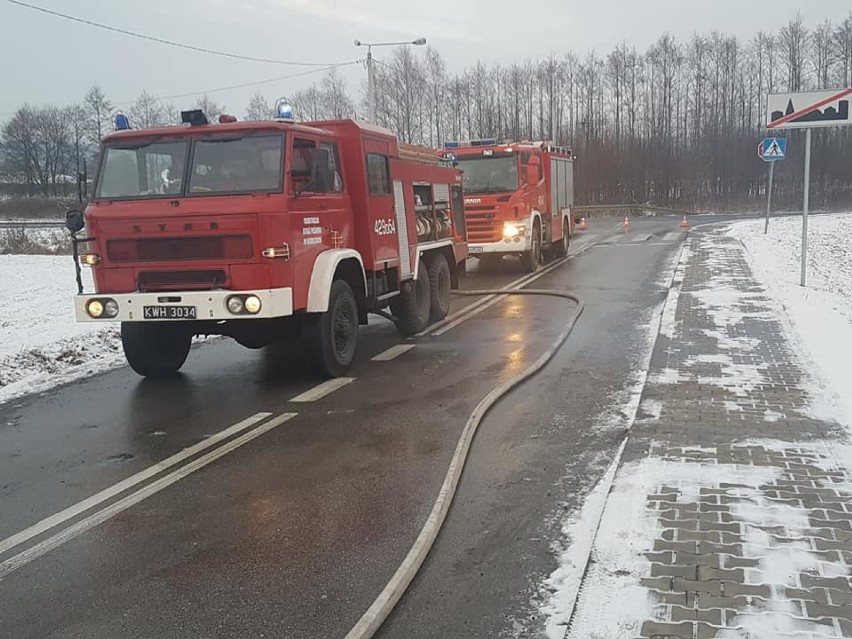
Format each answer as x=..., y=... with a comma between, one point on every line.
x=772, y=149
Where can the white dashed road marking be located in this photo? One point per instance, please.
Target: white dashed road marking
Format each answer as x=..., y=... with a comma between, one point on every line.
x=393, y=352
x=321, y=390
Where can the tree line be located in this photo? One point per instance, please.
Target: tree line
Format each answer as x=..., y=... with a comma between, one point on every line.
x=676, y=124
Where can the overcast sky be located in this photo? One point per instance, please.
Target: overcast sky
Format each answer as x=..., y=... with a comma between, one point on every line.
x=47, y=59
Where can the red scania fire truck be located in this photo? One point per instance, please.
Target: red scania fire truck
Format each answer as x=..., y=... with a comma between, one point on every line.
x=519, y=198
x=265, y=231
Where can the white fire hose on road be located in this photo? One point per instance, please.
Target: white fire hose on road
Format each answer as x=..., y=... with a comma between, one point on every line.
x=372, y=619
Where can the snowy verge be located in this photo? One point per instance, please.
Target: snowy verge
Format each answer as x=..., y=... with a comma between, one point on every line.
x=819, y=315
x=43, y=345
x=614, y=603
x=560, y=591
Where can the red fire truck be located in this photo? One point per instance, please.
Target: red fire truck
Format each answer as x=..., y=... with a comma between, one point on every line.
x=265, y=231
x=518, y=198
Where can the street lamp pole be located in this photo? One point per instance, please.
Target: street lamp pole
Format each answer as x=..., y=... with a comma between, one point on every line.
x=371, y=86
x=371, y=70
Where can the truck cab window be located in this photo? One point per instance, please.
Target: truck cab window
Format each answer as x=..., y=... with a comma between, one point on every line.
x=144, y=170
x=302, y=166
x=314, y=168
x=334, y=168
x=236, y=165
x=378, y=174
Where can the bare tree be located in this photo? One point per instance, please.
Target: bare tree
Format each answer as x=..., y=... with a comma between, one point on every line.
x=843, y=47
x=146, y=112
x=308, y=104
x=822, y=58
x=794, y=37
x=98, y=110
x=337, y=104
x=259, y=108
x=209, y=107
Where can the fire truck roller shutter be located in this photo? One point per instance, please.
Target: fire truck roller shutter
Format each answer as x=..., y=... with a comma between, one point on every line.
x=322, y=276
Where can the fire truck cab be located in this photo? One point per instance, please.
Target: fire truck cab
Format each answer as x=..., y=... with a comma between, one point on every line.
x=519, y=198
x=265, y=232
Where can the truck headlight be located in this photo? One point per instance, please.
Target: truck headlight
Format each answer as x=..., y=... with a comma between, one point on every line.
x=252, y=304
x=235, y=304
x=110, y=308
x=510, y=229
x=95, y=308
x=102, y=308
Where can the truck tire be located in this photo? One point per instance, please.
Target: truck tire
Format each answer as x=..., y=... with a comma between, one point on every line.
x=412, y=308
x=155, y=350
x=531, y=259
x=332, y=337
x=560, y=247
x=440, y=287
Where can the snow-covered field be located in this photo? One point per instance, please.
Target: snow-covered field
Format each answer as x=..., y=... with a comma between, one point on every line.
x=820, y=315
x=42, y=345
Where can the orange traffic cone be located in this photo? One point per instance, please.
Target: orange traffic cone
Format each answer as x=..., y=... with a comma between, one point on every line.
x=626, y=222
x=583, y=226
x=684, y=224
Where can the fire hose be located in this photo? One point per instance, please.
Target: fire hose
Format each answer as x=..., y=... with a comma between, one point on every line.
x=372, y=619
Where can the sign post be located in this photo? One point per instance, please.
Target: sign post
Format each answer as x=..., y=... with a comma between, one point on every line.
x=771, y=150
x=808, y=110
x=805, y=206
x=769, y=197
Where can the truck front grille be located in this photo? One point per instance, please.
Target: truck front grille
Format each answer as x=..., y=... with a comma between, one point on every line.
x=168, y=249
x=481, y=226
x=201, y=280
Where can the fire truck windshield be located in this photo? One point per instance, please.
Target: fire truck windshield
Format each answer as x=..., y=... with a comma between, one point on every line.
x=219, y=165
x=142, y=170
x=495, y=174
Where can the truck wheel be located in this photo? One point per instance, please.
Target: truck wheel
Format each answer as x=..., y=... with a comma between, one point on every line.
x=560, y=247
x=412, y=307
x=155, y=350
x=440, y=286
x=531, y=259
x=333, y=336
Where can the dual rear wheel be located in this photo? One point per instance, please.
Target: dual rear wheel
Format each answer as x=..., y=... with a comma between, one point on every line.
x=428, y=299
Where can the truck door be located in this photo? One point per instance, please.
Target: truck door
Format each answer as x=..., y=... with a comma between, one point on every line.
x=382, y=218
x=320, y=213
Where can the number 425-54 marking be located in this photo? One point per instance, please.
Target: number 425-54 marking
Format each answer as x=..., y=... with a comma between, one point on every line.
x=385, y=227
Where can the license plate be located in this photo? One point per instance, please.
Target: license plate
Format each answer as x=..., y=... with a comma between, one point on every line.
x=169, y=312
x=475, y=249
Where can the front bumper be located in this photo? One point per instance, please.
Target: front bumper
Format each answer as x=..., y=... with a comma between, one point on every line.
x=210, y=305
x=514, y=245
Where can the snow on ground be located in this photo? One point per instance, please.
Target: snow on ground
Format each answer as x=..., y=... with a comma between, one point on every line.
x=35, y=241
x=557, y=596
x=578, y=535
x=42, y=345
x=820, y=315
x=615, y=603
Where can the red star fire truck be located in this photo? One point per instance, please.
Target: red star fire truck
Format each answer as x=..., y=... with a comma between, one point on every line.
x=519, y=198
x=265, y=231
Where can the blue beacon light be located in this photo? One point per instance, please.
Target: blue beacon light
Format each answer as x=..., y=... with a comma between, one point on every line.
x=122, y=122
x=283, y=110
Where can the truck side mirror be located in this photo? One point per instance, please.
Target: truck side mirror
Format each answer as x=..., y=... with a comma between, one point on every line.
x=74, y=221
x=533, y=176
x=533, y=171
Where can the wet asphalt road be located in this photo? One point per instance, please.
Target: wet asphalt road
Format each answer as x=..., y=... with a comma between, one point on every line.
x=294, y=533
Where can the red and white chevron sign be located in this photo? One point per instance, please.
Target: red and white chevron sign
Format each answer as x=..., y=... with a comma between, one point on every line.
x=809, y=109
